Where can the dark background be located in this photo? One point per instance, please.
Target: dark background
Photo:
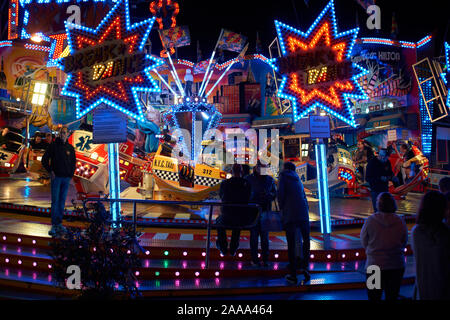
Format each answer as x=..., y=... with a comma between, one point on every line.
x=205, y=18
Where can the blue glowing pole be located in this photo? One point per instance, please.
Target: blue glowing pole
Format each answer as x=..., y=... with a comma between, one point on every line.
x=323, y=192
x=114, y=179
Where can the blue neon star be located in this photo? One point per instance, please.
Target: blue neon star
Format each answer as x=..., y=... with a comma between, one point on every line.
x=331, y=96
x=119, y=93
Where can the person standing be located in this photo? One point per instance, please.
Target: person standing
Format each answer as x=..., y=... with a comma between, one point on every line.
x=263, y=192
x=188, y=80
x=4, y=141
x=235, y=190
x=384, y=235
x=360, y=159
x=431, y=247
x=59, y=160
x=378, y=174
x=295, y=219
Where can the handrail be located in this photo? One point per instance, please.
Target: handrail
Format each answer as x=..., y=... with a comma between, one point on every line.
x=211, y=204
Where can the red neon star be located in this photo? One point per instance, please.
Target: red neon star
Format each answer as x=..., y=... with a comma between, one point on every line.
x=328, y=93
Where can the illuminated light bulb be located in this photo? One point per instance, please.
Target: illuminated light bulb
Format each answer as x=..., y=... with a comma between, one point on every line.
x=49, y=266
x=34, y=264
x=166, y=253
x=147, y=252
x=157, y=273
x=203, y=254
x=357, y=254
x=197, y=273
x=406, y=249
x=128, y=252
x=217, y=273
x=136, y=273
x=328, y=256
x=177, y=274
x=343, y=255
x=36, y=38
x=7, y=260
x=19, y=239
x=19, y=261
x=185, y=253
x=4, y=238
x=276, y=255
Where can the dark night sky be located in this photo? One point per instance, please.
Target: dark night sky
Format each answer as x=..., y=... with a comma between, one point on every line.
x=205, y=19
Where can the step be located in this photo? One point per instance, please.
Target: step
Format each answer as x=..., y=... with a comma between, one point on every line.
x=41, y=283
x=40, y=259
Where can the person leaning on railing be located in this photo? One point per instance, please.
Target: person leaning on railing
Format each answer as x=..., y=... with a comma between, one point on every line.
x=235, y=190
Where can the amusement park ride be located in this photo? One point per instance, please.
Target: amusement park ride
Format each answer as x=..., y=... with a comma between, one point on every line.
x=179, y=169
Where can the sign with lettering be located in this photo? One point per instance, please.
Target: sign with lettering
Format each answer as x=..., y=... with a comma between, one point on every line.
x=316, y=68
x=319, y=127
x=110, y=126
x=108, y=65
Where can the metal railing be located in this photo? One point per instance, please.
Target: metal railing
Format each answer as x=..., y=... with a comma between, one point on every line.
x=211, y=205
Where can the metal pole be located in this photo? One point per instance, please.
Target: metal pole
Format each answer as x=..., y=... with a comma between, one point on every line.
x=323, y=192
x=114, y=180
x=208, y=236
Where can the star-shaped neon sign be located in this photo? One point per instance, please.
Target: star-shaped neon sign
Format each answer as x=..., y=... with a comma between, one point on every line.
x=108, y=65
x=316, y=68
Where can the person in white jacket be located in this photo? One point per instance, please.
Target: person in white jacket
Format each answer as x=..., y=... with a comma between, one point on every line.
x=431, y=246
x=188, y=81
x=384, y=235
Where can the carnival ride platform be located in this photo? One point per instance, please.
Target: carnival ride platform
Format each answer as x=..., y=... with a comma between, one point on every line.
x=173, y=263
x=22, y=194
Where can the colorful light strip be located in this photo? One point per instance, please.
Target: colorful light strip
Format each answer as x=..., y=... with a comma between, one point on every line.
x=426, y=125
x=5, y=44
x=13, y=19
x=37, y=47
x=396, y=43
x=114, y=179
x=323, y=193
x=447, y=75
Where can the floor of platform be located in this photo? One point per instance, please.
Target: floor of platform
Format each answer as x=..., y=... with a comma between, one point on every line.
x=22, y=190
x=176, y=238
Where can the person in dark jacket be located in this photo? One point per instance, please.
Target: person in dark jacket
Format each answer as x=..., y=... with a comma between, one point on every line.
x=384, y=235
x=59, y=160
x=263, y=193
x=431, y=248
x=4, y=141
x=235, y=190
x=295, y=219
x=378, y=174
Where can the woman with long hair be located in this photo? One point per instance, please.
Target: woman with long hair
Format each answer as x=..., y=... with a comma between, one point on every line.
x=431, y=246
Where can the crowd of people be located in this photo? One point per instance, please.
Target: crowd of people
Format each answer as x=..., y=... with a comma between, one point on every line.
x=261, y=189
x=384, y=234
